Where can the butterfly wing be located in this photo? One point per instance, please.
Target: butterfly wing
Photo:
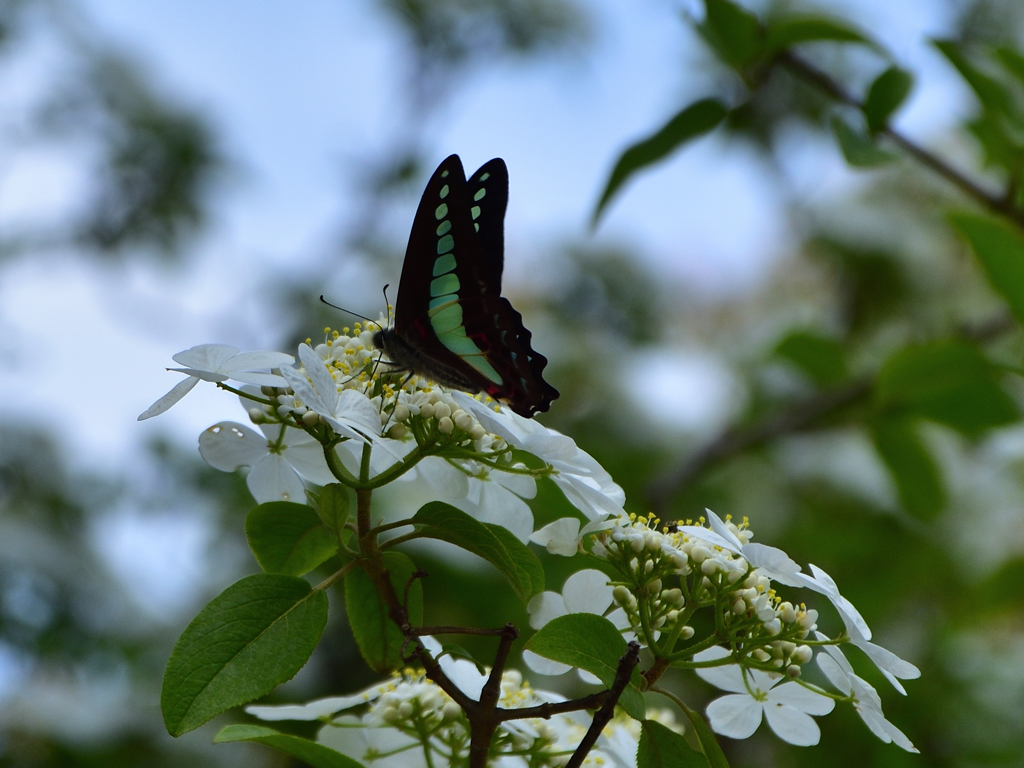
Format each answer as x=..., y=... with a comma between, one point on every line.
x=450, y=310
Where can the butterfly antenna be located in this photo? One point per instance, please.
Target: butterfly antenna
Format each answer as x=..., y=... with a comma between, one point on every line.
x=386, y=302
x=348, y=311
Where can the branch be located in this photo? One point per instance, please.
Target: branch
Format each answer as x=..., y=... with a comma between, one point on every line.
x=604, y=714
x=997, y=203
x=735, y=440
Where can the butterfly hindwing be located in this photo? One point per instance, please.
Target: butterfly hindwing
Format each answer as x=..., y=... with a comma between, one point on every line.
x=456, y=327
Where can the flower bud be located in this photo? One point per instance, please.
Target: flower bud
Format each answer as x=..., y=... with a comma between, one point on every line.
x=787, y=613
x=654, y=587
x=427, y=411
x=793, y=671
x=311, y=418
x=401, y=412
x=686, y=632
x=739, y=607
x=268, y=391
x=450, y=711
x=257, y=415
x=802, y=654
x=761, y=655
x=621, y=595
x=442, y=411
x=405, y=710
x=445, y=425
x=708, y=567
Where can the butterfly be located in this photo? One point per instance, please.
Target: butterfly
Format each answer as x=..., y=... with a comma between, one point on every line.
x=452, y=325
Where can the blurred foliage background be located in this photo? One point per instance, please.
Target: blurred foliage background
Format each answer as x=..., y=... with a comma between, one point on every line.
x=872, y=417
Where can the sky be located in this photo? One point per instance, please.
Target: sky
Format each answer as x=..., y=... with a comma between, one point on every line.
x=301, y=94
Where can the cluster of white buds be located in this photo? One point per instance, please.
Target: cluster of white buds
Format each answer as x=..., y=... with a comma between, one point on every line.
x=668, y=573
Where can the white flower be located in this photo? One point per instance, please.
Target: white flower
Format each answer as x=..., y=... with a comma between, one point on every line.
x=216, y=363
x=277, y=469
x=865, y=698
x=584, y=482
x=788, y=708
x=586, y=591
x=497, y=497
x=349, y=412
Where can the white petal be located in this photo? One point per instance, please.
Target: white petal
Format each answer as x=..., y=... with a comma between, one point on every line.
x=347, y=737
x=545, y=607
x=323, y=382
x=588, y=677
x=260, y=379
x=792, y=725
x=849, y=614
x=775, y=563
x=354, y=408
x=523, y=486
x=834, y=673
x=271, y=479
x=304, y=391
x=227, y=446
x=306, y=455
x=718, y=526
x=803, y=699
x=704, y=534
x=559, y=537
x=499, y=507
x=255, y=361
x=890, y=665
x=728, y=677
x=736, y=716
x=206, y=357
x=440, y=475
x=200, y=374
x=316, y=709
x=587, y=499
x=885, y=730
x=180, y=389
x=543, y=666
x=587, y=591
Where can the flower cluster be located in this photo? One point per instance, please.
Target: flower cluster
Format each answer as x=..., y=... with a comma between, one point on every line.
x=408, y=721
x=343, y=415
x=760, y=643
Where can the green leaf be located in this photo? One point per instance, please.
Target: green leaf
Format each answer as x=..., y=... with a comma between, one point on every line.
x=917, y=478
x=333, y=507
x=695, y=120
x=379, y=638
x=734, y=32
x=990, y=92
x=496, y=545
x=885, y=96
x=309, y=752
x=592, y=643
x=288, y=538
x=661, y=747
x=1000, y=249
x=950, y=382
x=1012, y=61
x=708, y=742
x=821, y=358
x=794, y=30
x=255, y=635
x=859, y=150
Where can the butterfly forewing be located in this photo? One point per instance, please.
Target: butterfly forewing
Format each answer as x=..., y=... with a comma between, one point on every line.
x=454, y=325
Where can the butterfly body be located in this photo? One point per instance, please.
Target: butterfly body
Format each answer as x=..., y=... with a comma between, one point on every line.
x=452, y=325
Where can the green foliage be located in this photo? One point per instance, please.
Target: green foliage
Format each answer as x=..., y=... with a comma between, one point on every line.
x=661, y=747
x=693, y=121
x=822, y=359
x=734, y=33
x=332, y=506
x=886, y=94
x=859, y=149
x=1000, y=249
x=288, y=538
x=309, y=752
x=252, y=637
x=793, y=30
x=592, y=643
x=950, y=382
x=918, y=479
x=708, y=743
x=379, y=638
x=992, y=94
x=496, y=545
